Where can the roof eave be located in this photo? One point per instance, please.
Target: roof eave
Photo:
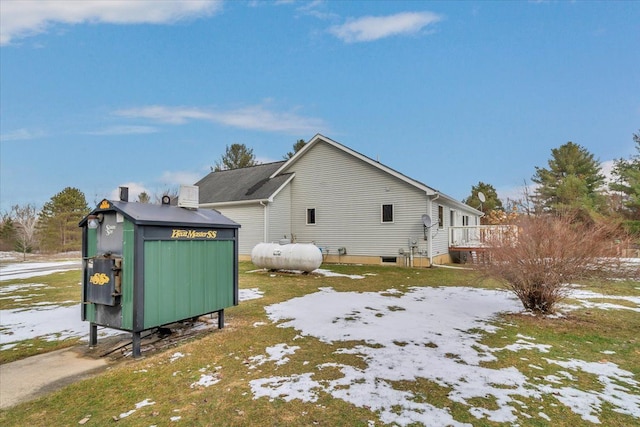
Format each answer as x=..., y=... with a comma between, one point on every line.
x=279, y=189
x=214, y=205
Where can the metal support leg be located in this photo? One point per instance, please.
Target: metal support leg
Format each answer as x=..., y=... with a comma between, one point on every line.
x=136, y=344
x=220, y=319
x=93, y=335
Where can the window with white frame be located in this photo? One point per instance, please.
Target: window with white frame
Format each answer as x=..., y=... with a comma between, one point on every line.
x=387, y=213
x=440, y=216
x=311, y=216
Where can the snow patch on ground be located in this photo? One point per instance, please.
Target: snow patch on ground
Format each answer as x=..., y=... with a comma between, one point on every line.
x=429, y=333
x=146, y=402
x=329, y=273
x=50, y=322
x=11, y=289
x=26, y=270
x=277, y=354
x=589, y=299
x=206, y=380
x=249, y=294
x=53, y=322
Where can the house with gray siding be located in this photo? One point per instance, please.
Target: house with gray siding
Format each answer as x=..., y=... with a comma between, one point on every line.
x=355, y=209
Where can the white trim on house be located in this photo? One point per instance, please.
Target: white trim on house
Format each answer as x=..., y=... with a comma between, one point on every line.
x=234, y=203
x=284, y=184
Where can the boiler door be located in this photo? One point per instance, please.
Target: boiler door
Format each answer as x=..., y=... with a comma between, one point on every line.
x=101, y=281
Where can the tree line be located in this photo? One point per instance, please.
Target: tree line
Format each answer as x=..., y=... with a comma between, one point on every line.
x=572, y=184
x=54, y=228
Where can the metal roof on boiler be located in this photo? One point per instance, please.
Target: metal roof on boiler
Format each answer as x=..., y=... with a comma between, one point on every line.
x=151, y=214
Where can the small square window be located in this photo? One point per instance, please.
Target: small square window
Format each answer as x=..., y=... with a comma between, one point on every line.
x=387, y=213
x=311, y=216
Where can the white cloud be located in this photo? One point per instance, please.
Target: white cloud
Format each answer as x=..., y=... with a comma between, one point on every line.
x=254, y=117
x=135, y=188
x=264, y=160
x=163, y=114
x=180, y=178
x=21, y=135
x=516, y=193
x=124, y=130
x=607, y=169
x=169, y=181
x=370, y=28
x=28, y=17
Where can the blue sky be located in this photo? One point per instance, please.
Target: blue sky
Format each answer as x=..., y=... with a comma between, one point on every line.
x=98, y=94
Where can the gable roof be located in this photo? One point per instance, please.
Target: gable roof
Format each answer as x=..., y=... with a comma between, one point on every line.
x=263, y=182
x=321, y=138
x=429, y=191
x=245, y=184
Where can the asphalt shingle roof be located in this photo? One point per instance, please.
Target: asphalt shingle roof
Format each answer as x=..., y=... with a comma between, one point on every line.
x=243, y=184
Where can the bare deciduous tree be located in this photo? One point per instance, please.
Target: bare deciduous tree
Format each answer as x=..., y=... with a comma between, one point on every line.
x=540, y=261
x=25, y=219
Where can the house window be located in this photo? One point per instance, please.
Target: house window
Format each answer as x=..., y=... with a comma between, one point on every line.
x=440, y=217
x=387, y=213
x=465, y=220
x=311, y=216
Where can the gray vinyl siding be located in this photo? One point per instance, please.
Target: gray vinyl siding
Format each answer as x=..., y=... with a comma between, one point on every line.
x=251, y=220
x=348, y=195
x=440, y=236
x=279, y=216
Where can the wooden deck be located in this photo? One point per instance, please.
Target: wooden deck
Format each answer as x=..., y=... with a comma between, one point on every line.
x=469, y=243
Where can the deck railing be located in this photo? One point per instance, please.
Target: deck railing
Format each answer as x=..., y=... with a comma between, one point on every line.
x=477, y=236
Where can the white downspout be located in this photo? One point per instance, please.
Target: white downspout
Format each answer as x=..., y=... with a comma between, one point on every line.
x=266, y=222
x=429, y=239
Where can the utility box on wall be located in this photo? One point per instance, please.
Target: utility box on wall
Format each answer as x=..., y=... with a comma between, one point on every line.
x=148, y=265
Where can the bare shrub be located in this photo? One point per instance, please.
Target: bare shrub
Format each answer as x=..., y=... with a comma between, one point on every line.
x=539, y=261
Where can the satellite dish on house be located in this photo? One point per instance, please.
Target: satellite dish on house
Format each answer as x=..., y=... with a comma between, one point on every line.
x=426, y=223
x=481, y=197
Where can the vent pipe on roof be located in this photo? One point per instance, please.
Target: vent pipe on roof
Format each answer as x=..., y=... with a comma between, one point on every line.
x=124, y=194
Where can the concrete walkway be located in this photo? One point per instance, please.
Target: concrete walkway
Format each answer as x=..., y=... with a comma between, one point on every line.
x=30, y=378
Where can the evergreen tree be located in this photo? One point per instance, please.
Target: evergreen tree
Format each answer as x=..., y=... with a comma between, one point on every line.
x=491, y=203
x=296, y=147
x=144, y=197
x=627, y=173
x=235, y=157
x=572, y=183
x=7, y=232
x=59, y=218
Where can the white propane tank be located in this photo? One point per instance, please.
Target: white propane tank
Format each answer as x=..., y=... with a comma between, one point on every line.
x=294, y=256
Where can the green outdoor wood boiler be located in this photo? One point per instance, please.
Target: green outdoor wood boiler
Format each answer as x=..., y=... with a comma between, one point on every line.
x=149, y=265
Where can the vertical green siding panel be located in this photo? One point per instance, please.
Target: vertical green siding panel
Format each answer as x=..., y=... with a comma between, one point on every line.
x=126, y=300
x=182, y=284
x=185, y=279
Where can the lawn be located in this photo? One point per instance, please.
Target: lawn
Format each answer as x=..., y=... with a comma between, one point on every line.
x=372, y=346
